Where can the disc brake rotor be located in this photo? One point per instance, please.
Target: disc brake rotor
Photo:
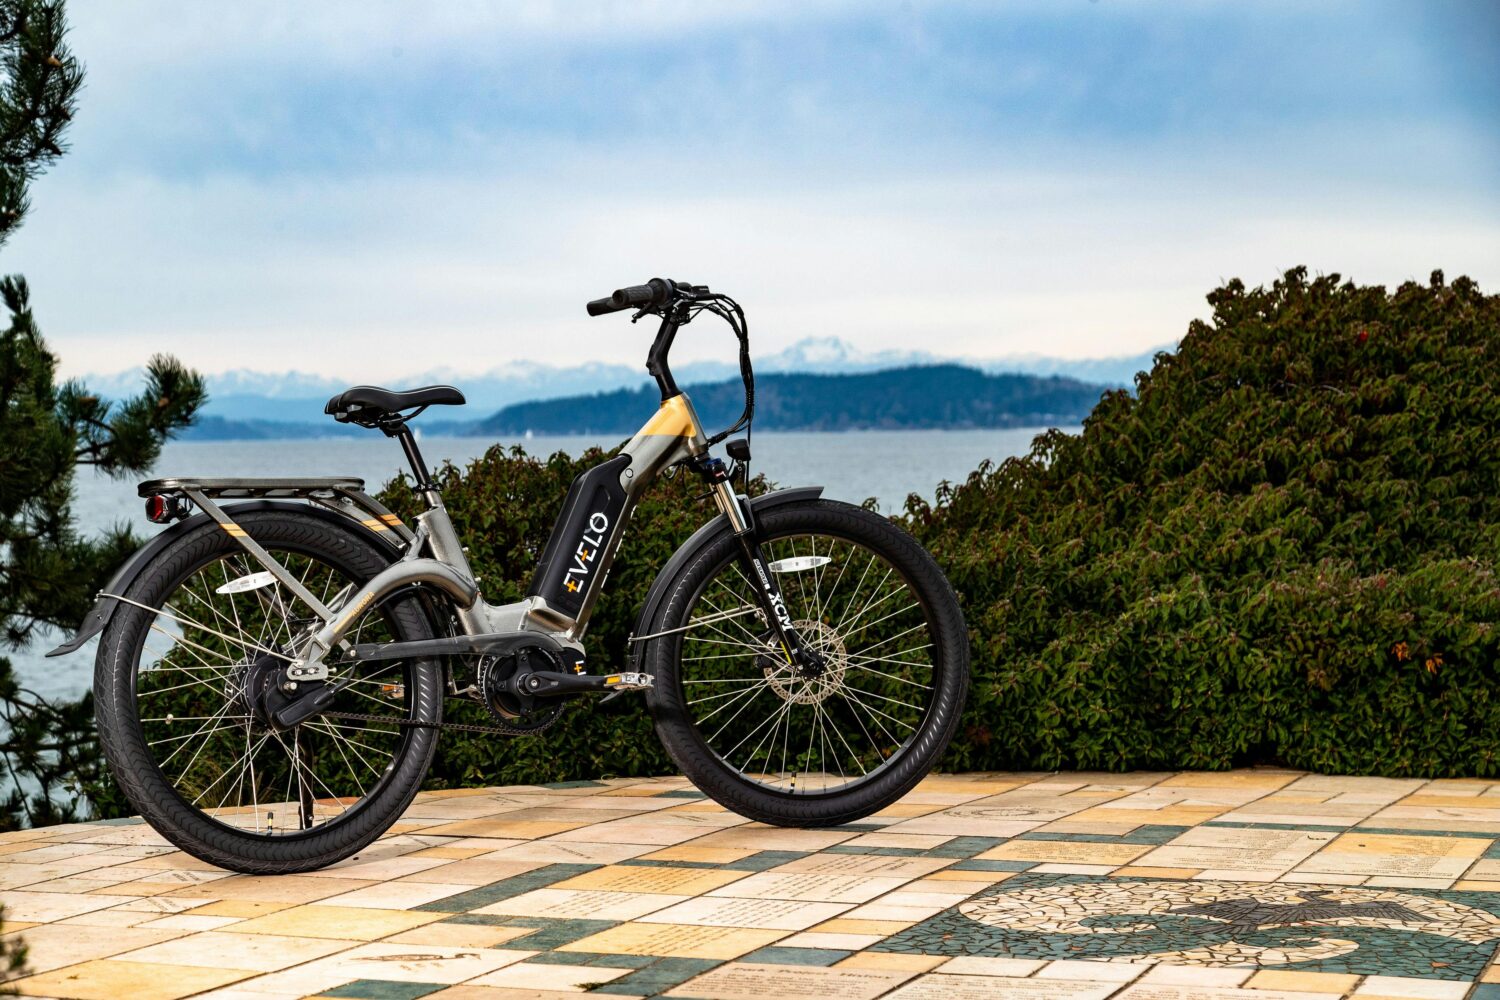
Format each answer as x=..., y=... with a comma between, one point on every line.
x=801, y=690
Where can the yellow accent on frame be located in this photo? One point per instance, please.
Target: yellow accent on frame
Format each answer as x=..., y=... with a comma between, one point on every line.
x=235, y=531
x=674, y=419
x=373, y=524
x=391, y=519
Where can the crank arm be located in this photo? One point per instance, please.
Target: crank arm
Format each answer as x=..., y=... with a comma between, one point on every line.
x=554, y=684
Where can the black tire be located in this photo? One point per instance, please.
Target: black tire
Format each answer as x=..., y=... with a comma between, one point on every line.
x=129, y=672
x=689, y=619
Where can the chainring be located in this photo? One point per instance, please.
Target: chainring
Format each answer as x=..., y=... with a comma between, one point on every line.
x=513, y=712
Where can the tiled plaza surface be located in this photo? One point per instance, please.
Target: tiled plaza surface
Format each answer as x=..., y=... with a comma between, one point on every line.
x=1247, y=885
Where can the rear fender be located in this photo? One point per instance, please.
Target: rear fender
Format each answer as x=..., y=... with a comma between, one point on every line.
x=99, y=615
x=695, y=543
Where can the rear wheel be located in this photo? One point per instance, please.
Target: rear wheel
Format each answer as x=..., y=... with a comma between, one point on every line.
x=188, y=674
x=798, y=748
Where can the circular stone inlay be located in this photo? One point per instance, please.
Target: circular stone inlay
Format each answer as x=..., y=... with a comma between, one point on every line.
x=1228, y=917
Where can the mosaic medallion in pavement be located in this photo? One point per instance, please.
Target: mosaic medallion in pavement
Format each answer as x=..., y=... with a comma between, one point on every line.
x=1325, y=928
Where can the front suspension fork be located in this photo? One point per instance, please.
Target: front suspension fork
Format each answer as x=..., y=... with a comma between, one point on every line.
x=762, y=581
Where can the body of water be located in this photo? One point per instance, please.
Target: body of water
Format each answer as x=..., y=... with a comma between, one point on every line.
x=886, y=465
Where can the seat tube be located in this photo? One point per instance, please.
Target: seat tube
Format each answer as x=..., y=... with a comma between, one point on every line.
x=447, y=548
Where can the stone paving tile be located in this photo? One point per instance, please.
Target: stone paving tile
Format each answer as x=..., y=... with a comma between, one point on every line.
x=1261, y=884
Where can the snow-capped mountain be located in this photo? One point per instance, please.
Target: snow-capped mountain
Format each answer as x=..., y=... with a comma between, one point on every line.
x=243, y=394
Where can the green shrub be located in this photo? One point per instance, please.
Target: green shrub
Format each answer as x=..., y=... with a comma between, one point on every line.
x=1281, y=548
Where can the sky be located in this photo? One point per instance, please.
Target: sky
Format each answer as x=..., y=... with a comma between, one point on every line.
x=374, y=189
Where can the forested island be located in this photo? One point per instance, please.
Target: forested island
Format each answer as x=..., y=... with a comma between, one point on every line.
x=916, y=397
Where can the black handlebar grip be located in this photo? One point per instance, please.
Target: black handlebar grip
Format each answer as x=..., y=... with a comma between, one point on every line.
x=656, y=292
x=638, y=295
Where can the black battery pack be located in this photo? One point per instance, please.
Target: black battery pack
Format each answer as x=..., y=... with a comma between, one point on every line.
x=574, y=556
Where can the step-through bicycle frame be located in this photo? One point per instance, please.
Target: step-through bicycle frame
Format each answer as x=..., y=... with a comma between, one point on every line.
x=571, y=574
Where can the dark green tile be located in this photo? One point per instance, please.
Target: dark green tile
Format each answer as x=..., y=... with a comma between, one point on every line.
x=764, y=860
x=976, y=865
x=659, y=976
x=383, y=989
x=575, y=784
x=963, y=847
x=551, y=933
x=473, y=899
x=795, y=956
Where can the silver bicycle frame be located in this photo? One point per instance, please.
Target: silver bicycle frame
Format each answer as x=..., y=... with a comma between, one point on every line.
x=672, y=435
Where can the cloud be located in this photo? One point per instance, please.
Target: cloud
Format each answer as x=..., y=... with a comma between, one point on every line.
x=381, y=188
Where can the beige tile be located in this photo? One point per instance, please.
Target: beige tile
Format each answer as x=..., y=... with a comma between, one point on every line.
x=586, y=904
x=352, y=923
x=729, y=911
x=111, y=979
x=891, y=961
x=1418, y=989
x=1195, y=975
x=273, y=888
x=745, y=981
x=459, y=935
x=1306, y=982
x=416, y=963
x=503, y=828
x=812, y=887
x=215, y=949
x=676, y=940
x=242, y=908
x=394, y=895
x=1104, y=972
x=980, y=965
x=52, y=946
x=649, y=878
x=44, y=907
x=941, y=986
x=540, y=976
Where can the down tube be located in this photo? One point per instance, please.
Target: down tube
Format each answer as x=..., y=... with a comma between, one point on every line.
x=571, y=573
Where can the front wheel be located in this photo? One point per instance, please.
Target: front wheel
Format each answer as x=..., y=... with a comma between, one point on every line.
x=810, y=749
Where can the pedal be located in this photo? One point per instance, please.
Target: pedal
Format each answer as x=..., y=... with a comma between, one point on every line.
x=618, y=684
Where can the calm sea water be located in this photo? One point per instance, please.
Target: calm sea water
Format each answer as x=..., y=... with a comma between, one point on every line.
x=886, y=465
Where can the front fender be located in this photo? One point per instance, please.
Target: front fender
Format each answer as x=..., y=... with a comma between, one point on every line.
x=98, y=616
x=697, y=541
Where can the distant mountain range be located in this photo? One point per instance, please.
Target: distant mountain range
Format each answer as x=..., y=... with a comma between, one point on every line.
x=266, y=405
x=909, y=398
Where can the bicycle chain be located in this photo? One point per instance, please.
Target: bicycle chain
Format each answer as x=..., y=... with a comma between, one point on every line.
x=459, y=727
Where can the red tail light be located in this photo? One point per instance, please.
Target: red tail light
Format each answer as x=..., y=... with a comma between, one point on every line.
x=164, y=509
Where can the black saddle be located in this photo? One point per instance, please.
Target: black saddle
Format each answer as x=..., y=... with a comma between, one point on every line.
x=372, y=406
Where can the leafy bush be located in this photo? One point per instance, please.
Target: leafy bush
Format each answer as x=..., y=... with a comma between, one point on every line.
x=1281, y=548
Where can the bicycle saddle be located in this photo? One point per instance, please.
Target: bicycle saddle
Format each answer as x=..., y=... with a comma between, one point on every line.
x=368, y=402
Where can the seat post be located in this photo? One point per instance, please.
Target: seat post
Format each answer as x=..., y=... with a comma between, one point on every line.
x=425, y=483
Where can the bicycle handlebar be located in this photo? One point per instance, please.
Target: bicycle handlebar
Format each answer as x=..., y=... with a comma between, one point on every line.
x=677, y=302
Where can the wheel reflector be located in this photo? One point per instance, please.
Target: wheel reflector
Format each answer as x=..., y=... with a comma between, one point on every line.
x=798, y=564
x=241, y=584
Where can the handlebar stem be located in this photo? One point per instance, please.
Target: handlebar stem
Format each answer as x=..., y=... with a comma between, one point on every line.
x=656, y=361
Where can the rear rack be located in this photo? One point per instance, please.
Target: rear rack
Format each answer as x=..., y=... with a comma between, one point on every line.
x=213, y=486
x=344, y=494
